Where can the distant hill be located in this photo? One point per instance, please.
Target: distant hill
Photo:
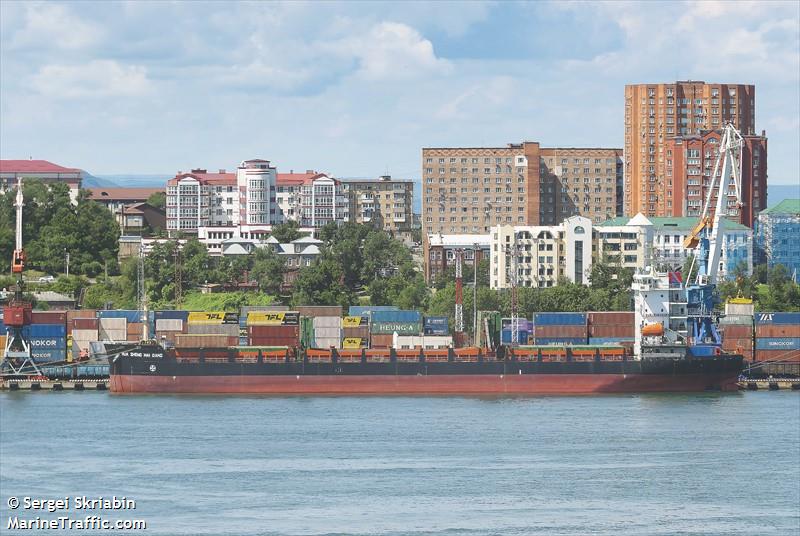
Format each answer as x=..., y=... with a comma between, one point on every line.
x=135, y=181
x=90, y=181
x=778, y=192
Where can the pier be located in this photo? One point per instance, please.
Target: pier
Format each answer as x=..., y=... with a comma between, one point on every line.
x=54, y=385
x=770, y=384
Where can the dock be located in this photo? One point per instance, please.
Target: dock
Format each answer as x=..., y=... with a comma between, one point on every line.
x=770, y=384
x=55, y=385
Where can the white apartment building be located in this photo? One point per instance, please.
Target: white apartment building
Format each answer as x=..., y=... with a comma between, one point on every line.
x=544, y=253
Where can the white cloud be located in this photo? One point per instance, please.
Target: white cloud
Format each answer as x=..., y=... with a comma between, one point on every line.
x=55, y=26
x=98, y=78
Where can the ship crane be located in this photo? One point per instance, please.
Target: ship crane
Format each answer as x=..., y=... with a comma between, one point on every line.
x=17, y=359
x=459, y=301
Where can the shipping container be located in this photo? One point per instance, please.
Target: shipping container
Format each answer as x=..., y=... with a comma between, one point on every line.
x=355, y=321
x=327, y=322
x=777, y=356
x=359, y=332
x=569, y=331
x=404, y=342
x=114, y=335
x=365, y=310
x=85, y=335
x=431, y=321
x=783, y=343
x=736, y=331
x=2, y=346
x=327, y=333
x=327, y=342
x=171, y=315
x=45, y=330
x=273, y=331
x=85, y=323
x=778, y=318
x=612, y=330
x=736, y=319
x=381, y=341
x=559, y=319
x=403, y=328
x=555, y=341
x=129, y=316
x=314, y=311
x=436, y=330
x=522, y=324
x=523, y=336
x=48, y=355
x=213, y=329
x=273, y=341
x=280, y=318
x=48, y=343
x=205, y=341
x=611, y=318
x=113, y=323
x=81, y=313
x=609, y=340
x=212, y=318
x=49, y=317
x=777, y=330
x=398, y=316
x=169, y=324
x=355, y=342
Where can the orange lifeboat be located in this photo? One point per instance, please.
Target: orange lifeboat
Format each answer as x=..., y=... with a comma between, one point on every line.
x=653, y=330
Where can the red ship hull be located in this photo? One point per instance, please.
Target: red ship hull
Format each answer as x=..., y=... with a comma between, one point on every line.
x=467, y=384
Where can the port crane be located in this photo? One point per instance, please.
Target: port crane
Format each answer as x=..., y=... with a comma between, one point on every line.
x=17, y=359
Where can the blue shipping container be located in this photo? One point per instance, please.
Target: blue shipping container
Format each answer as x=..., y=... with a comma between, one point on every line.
x=171, y=315
x=48, y=343
x=559, y=319
x=778, y=343
x=130, y=316
x=48, y=355
x=524, y=324
x=778, y=318
x=436, y=321
x=364, y=310
x=436, y=330
x=608, y=340
x=396, y=316
x=44, y=330
x=522, y=336
x=551, y=341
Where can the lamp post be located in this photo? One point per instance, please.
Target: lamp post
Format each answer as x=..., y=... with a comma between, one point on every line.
x=475, y=292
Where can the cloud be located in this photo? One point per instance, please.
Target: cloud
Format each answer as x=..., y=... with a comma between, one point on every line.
x=98, y=78
x=54, y=26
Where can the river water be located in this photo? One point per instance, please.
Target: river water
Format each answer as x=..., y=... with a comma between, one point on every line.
x=710, y=464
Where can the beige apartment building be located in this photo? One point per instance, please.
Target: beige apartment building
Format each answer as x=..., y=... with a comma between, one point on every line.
x=386, y=202
x=468, y=190
x=655, y=113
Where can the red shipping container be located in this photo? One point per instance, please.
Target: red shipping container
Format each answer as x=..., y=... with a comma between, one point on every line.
x=561, y=331
x=49, y=317
x=381, y=341
x=734, y=344
x=274, y=341
x=205, y=341
x=81, y=313
x=312, y=311
x=135, y=328
x=273, y=331
x=16, y=315
x=778, y=356
x=85, y=323
x=736, y=331
x=361, y=332
x=612, y=330
x=611, y=318
x=777, y=330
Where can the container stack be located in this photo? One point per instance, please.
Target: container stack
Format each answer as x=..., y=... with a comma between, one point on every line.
x=778, y=337
x=384, y=324
x=436, y=325
x=169, y=324
x=327, y=331
x=114, y=324
x=524, y=332
x=355, y=332
x=273, y=328
x=85, y=331
x=611, y=327
x=209, y=329
x=560, y=328
x=48, y=336
x=737, y=334
x=314, y=311
x=204, y=341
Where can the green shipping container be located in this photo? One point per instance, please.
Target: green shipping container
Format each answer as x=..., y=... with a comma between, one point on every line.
x=402, y=328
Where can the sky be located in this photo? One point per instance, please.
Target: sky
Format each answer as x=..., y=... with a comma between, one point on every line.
x=357, y=89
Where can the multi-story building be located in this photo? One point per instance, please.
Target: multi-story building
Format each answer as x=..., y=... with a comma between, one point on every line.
x=778, y=236
x=543, y=253
x=690, y=162
x=385, y=202
x=641, y=241
x=201, y=199
x=654, y=113
x=47, y=172
x=470, y=190
x=115, y=199
x=440, y=251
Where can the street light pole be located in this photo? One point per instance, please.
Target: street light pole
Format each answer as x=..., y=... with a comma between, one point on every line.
x=475, y=292
x=66, y=260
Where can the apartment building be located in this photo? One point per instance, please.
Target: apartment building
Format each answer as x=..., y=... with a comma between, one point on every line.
x=654, y=113
x=440, y=251
x=690, y=162
x=13, y=170
x=312, y=199
x=778, y=236
x=385, y=202
x=544, y=253
x=470, y=190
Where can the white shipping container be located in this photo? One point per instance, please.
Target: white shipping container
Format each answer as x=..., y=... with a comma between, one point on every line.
x=169, y=324
x=114, y=324
x=113, y=334
x=214, y=329
x=327, y=333
x=85, y=335
x=327, y=342
x=327, y=322
x=429, y=341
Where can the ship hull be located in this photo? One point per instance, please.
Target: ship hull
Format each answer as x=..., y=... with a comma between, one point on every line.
x=487, y=378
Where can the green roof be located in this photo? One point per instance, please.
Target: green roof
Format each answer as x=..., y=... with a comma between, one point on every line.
x=677, y=223
x=787, y=206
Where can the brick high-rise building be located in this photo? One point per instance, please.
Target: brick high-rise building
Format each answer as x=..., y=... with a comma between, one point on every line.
x=385, y=202
x=471, y=189
x=654, y=113
x=690, y=162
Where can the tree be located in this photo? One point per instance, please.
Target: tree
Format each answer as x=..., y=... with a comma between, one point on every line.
x=286, y=232
x=268, y=269
x=321, y=284
x=158, y=200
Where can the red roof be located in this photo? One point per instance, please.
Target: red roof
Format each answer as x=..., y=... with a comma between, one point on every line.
x=33, y=166
x=123, y=194
x=286, y=179
x=208, y=178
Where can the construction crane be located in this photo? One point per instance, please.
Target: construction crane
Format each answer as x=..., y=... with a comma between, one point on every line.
x=17, y=359
x=459, y=305
x=708, y=233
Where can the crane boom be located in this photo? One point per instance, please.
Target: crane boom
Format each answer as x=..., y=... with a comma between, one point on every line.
x=18, y=258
